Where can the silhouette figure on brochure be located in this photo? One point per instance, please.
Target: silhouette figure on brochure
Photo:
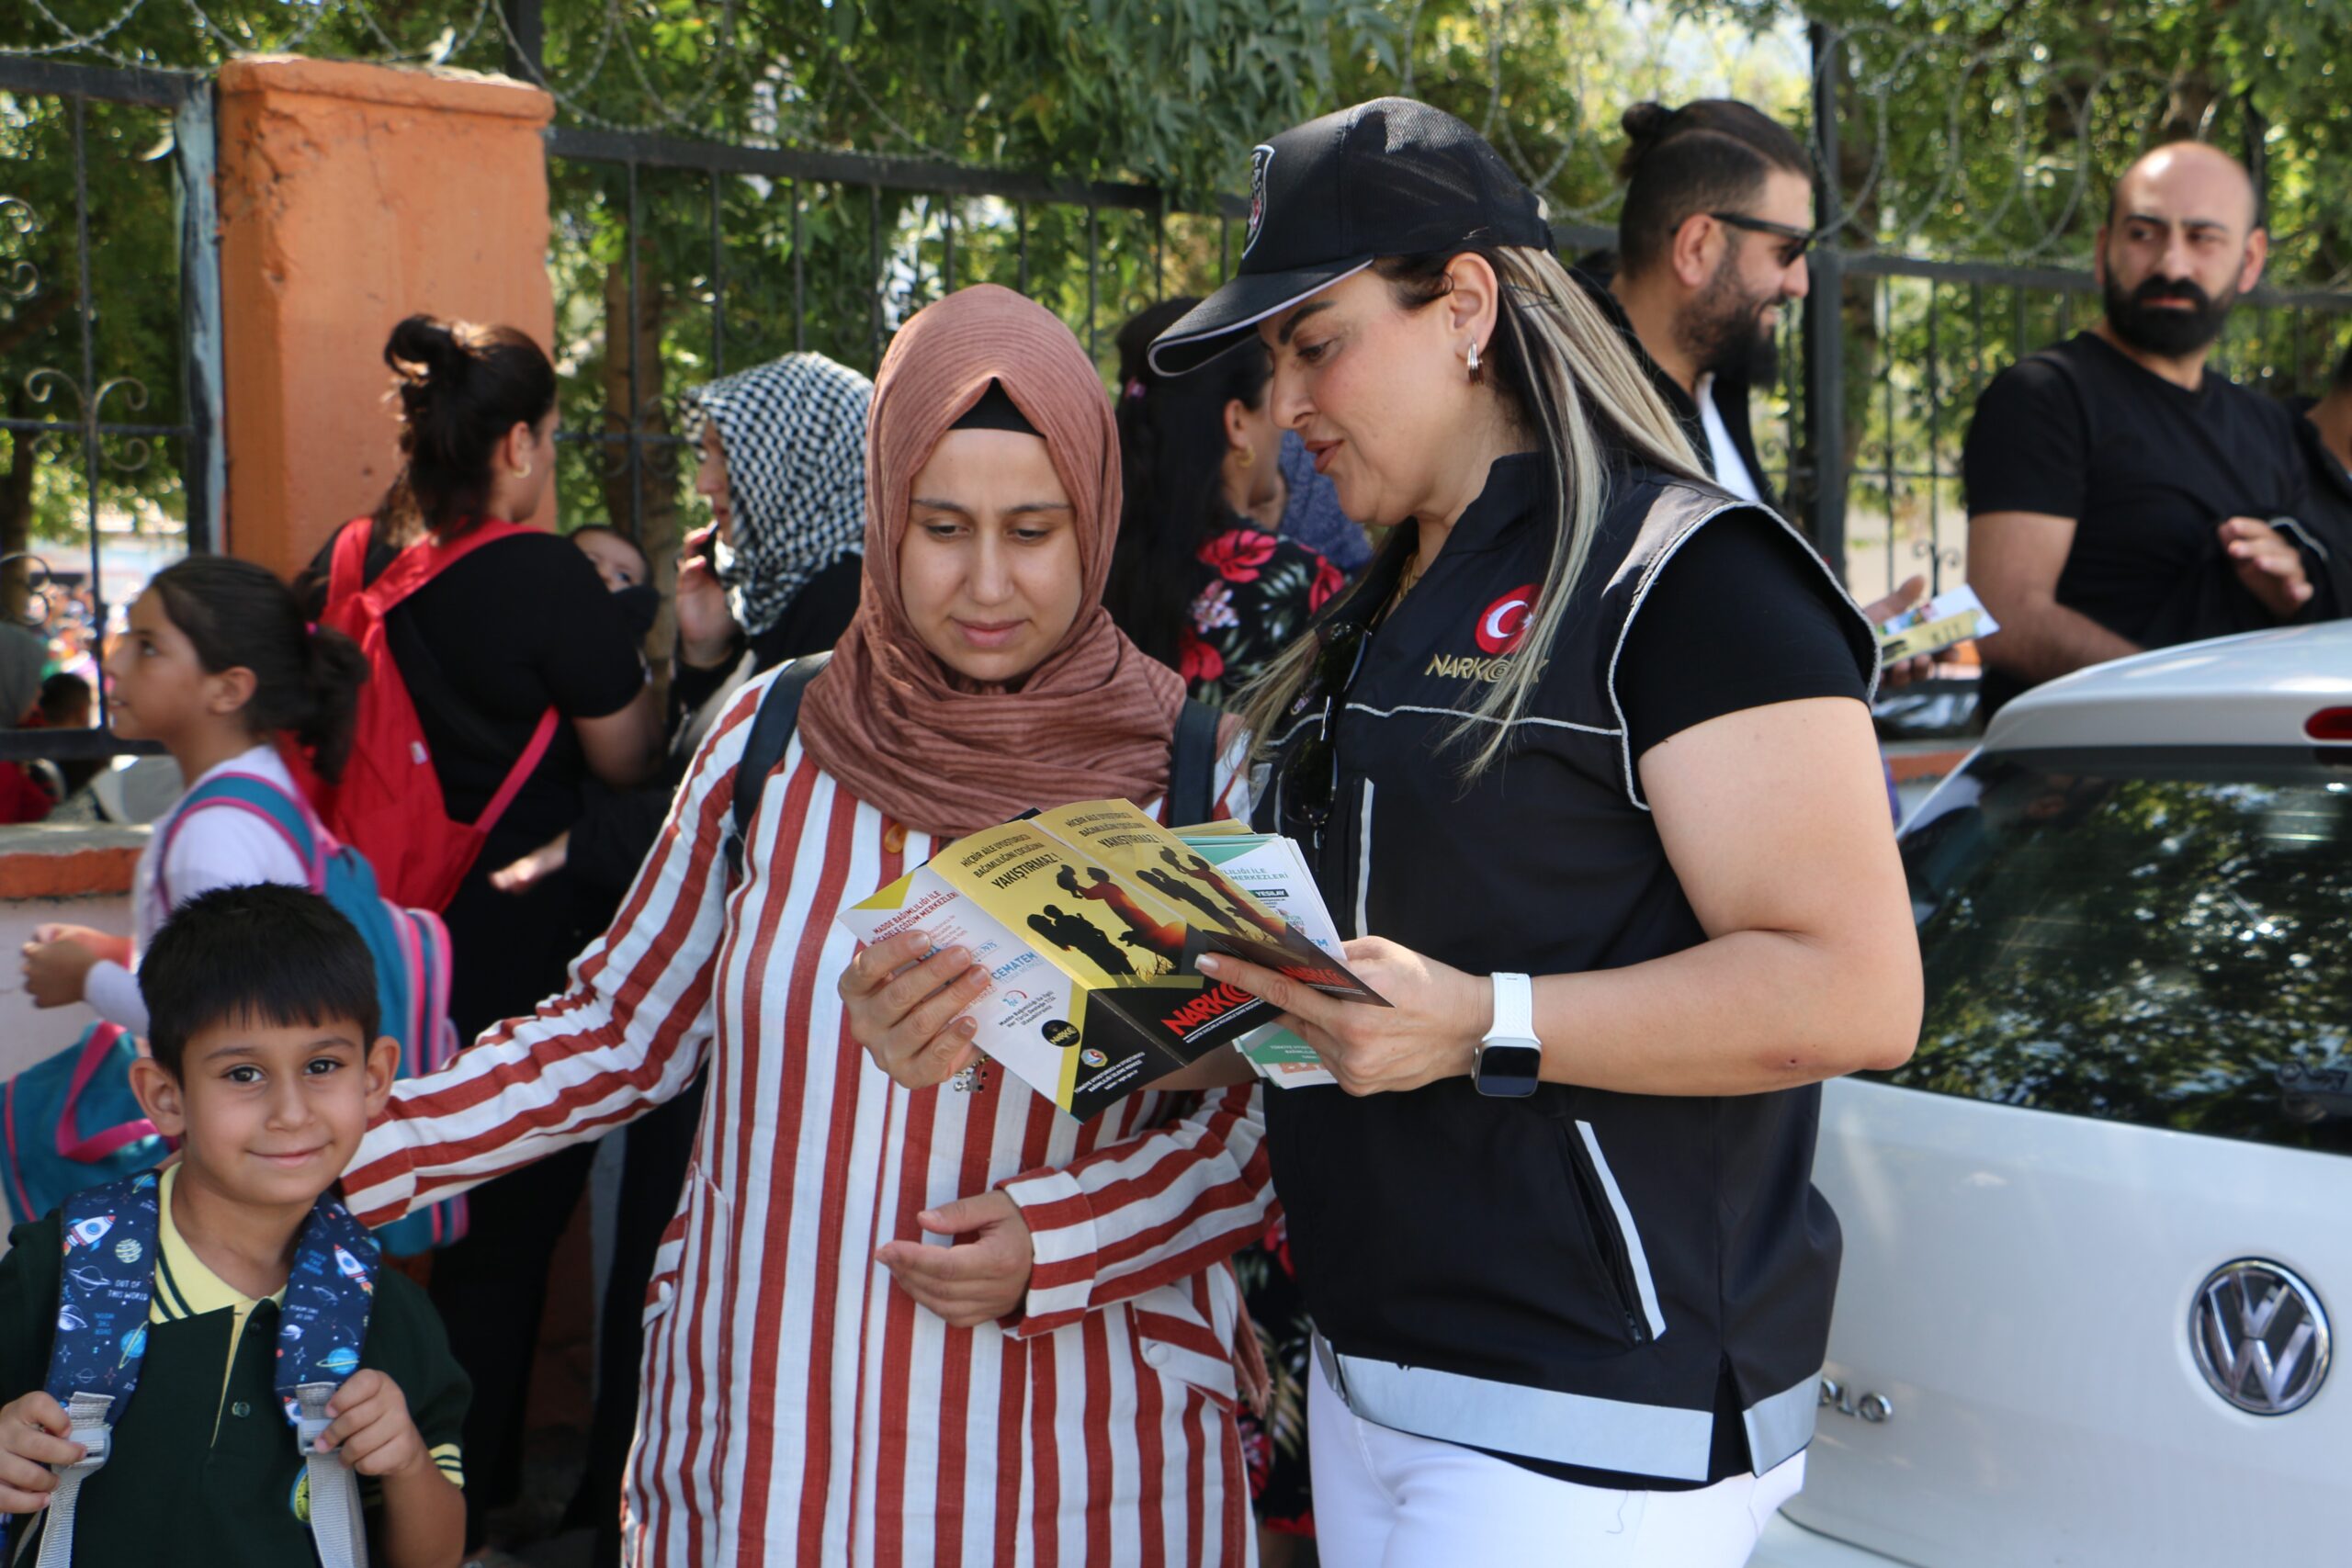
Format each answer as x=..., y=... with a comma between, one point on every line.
x=1208, y=877
x=1176, y=889
x=1076, y=933
x=1143, y=933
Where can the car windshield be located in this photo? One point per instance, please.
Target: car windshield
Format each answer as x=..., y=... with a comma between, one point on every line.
x=2161, y=937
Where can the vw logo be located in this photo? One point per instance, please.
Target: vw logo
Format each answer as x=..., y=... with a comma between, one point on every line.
x=2260, y=1336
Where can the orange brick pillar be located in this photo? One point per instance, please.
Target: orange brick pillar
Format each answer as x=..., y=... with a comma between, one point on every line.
x=352, y=195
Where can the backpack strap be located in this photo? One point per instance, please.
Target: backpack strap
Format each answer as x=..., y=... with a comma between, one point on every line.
x=417, y=564
x=772, y=729
x=88, y=1148
x=347, y=568
x=1192, y=765
x=320, y=1331
x=106, y=1282
x=256, y=796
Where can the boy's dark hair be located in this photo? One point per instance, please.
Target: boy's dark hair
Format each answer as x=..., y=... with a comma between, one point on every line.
x=265, y=954
x=62, y=695
x=2342, y=380
x=1711, y=155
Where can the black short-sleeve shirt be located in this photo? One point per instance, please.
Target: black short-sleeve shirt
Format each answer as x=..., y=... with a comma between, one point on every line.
x=521, y=624
x=1738, y=619
x=2149, y=472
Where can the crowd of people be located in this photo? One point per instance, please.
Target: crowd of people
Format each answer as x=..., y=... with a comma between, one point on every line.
x=1474, y=553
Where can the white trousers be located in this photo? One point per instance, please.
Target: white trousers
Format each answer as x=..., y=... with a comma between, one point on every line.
x=1388, y=1499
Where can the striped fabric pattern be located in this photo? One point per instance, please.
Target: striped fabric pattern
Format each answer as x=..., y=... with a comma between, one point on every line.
x=798, y=1407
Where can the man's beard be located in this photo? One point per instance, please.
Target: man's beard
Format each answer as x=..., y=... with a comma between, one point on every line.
x=2168, y=331
x=1725, y=332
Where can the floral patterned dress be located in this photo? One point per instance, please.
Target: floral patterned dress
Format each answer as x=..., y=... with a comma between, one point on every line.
x=1258, y=591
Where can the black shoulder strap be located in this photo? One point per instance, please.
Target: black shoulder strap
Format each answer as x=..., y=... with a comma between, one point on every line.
x=1192, y=765
x=771, y=737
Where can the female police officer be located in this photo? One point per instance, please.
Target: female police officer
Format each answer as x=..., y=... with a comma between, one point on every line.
x=1590, y=719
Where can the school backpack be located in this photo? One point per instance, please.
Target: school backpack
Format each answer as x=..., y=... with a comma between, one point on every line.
x=1192, y=761
x=411, y=948
x=70, y=1120
x=104, y=1292
x=388, y=804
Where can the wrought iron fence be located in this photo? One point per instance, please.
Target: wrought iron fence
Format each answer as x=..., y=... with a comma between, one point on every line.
x=108, y=249
x=689, y=242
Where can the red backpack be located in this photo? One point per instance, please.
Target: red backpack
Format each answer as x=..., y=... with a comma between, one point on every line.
x=388, y=804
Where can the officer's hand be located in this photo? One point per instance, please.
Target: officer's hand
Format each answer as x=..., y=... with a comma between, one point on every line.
x=2268, y=564
x=908, y=1013
x=1434, y=1020
x=33, y=1436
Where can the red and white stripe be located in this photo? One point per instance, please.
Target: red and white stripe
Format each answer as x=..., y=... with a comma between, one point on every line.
x=798, y=1407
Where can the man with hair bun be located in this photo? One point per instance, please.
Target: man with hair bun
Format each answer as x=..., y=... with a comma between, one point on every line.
x=1711, y=242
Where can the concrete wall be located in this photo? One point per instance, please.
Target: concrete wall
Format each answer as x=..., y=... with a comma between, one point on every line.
x=352, y=195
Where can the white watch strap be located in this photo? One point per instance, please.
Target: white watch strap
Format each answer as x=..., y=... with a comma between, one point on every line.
x=1514, y=1008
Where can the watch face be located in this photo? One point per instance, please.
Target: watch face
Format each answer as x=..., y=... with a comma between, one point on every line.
x=1509, y=1069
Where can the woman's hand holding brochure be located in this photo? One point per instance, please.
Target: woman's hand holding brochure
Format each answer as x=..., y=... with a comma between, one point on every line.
x=1064, y=945
x=1436, y=1016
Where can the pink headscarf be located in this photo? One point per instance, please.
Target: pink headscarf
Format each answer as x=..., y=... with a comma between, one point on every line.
x=1096, y=717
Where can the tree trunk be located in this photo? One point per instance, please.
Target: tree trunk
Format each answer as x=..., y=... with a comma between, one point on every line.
x=653, y=521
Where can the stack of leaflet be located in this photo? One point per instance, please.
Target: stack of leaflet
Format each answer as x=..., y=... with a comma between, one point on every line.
x=1092, y=919
x=1270, y=868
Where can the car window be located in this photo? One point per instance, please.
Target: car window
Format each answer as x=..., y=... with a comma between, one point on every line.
x=2161, y=937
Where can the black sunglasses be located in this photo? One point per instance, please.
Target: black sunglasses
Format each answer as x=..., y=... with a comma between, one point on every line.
x=1799, y=240
x=1309, y=776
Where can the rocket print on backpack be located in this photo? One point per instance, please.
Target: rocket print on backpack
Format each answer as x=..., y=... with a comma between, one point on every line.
x=411, y=948
x=108, y=1281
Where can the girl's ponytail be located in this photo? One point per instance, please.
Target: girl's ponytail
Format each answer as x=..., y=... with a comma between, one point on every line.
x=336, y=669
x=306, y=682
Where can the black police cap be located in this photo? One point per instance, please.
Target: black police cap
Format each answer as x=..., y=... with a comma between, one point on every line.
x=1389, y=178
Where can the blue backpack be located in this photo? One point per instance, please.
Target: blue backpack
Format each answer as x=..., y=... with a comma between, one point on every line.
x=71, y=1120
x=411, y=948
x=106, y=1282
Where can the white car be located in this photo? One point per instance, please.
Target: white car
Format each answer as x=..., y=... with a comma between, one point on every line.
x=2096, y=1228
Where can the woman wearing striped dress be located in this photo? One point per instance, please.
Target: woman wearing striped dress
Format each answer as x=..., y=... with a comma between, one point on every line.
x=824, y=1381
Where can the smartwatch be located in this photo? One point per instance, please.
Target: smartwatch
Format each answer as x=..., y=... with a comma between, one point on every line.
x=1509, y=1061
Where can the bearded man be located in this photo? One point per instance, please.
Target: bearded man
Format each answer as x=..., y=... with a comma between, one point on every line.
x=2121, y=496
x=1711, y=242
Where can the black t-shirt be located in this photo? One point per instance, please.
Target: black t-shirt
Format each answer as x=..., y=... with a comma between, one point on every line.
x=519, y=625
x=2149, y=472
x=1738, y=618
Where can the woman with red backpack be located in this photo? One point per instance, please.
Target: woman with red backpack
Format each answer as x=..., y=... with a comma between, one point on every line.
x=503, y=676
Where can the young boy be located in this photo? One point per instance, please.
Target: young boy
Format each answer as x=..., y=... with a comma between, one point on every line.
x=263, y=1025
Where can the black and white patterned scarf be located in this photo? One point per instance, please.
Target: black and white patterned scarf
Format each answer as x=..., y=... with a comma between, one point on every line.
x=793, y=429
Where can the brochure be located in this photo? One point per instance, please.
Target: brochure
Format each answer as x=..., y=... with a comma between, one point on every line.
x=1271, y=869
x=1953, y=616
x=1092, y=921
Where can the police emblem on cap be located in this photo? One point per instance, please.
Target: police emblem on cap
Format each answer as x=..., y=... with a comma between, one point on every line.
x=1259, y=157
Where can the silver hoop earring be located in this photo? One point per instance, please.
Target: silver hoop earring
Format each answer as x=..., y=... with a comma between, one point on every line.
x=1474, y=360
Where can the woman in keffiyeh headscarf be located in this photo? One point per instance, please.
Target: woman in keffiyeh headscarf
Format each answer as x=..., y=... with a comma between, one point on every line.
x=782, y=464
x=825, y=1381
